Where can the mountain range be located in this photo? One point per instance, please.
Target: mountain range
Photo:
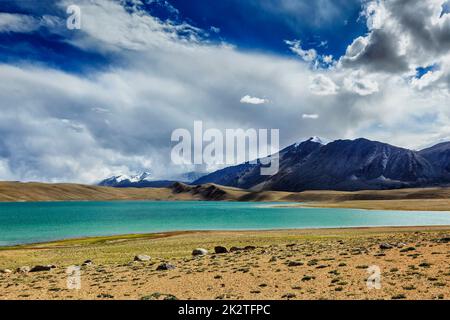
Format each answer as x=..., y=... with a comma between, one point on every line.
x=146, y=180
x=344, y=165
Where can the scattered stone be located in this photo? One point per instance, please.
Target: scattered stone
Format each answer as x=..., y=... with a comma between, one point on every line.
x=386, y=246
x=142, y=258
x=399, y=297
x=294, y=263
x=87, y=263
x=288, y=296
x=159, y=296
x=408, y=249
x=444, y=240
x=165, y=266
x=24, y=269
x=248, y=248
x=220, y=249
x=409, y=287
x=425, y=265
x=273, y=259
x=199, y=252
x=313, y=262
x=40, y=268
x=308, y=278
x=5, y=271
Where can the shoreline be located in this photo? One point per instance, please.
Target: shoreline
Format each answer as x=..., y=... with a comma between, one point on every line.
x=354, y=206
x=111, y=239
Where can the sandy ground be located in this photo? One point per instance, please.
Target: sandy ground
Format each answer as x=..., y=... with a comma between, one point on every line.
x=292, y=264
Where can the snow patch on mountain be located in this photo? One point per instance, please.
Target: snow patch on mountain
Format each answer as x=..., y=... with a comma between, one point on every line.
x=315, y=139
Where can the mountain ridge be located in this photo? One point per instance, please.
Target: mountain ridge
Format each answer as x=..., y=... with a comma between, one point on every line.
x=343, y=165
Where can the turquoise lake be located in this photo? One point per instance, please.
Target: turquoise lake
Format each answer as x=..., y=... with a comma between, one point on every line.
x=45, y=221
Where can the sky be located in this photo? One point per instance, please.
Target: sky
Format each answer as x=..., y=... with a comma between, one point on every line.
x=84, y=104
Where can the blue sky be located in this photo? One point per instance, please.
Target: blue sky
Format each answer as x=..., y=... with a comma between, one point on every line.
x=248, y=25
x=252, y=25
x=81, y=105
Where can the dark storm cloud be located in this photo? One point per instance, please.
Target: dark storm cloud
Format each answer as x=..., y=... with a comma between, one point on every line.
x=416, y=18
x=404, y=35
x=378, y=52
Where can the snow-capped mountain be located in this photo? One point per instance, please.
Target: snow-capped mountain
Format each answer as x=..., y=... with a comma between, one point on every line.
x=146, y=180
x=315, y=139
x=125, y=179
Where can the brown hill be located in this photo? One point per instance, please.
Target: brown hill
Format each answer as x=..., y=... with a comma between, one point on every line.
x=406, y=199
x=17, y=191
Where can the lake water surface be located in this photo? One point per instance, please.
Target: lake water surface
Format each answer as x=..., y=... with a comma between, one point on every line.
x=46, y=221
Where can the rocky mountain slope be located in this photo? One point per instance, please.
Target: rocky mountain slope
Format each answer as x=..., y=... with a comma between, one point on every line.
x=345, y=165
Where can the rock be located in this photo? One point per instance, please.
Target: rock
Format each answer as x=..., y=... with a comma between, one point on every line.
x=87, y=263
x=294, y=264
x=444, y=240
x=199, y=252
x=386, y=246
x=165, y=266
x=235, y=249
x=250, y=248
x=5, y=271
x=220, y=250
x=288, y=296
x=142, y=258
x=40, y=268
x=24, y=269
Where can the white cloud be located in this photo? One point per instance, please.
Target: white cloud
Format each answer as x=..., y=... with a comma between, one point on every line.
x=358, y=83
x=312, y=116
x=296, y=47
x=253, y=100
x=323, y=85
x=428, y=79
x=328, y=59
x=17, y=23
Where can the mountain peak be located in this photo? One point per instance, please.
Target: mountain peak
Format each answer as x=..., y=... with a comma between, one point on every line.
x=314, y=139
x=317, y=140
